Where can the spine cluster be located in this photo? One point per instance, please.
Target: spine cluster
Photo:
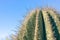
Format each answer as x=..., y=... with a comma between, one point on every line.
x=41, y=24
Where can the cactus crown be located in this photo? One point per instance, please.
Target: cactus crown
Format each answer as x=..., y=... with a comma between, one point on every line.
x=41, y=24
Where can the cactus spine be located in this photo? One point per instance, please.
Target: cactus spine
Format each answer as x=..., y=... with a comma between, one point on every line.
x=41, y=24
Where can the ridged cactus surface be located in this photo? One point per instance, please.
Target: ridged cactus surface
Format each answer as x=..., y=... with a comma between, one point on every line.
x=41, y=24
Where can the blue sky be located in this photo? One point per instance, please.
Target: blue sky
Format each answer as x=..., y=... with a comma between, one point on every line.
x=12, y=13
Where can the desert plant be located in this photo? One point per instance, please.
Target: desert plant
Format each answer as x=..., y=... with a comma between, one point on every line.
x=40, y=24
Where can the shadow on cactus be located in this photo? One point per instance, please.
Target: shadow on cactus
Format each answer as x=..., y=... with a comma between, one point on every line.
x=40, y=24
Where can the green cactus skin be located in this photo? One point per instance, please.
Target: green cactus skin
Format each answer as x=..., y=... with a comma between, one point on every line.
x=41, y=24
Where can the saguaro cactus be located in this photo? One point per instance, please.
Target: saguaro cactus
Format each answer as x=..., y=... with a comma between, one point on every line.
x=40, y=24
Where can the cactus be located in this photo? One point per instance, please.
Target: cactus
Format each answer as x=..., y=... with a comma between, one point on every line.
x=40, y=24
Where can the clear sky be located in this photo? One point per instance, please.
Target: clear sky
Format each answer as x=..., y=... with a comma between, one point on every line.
x=12, y=13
